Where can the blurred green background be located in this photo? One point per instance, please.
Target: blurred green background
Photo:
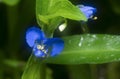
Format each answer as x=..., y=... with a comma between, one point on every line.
x=17, y=15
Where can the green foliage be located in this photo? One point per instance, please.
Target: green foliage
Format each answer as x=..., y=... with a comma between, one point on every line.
x=89, y=48
x=11, y=2
x=53, y=12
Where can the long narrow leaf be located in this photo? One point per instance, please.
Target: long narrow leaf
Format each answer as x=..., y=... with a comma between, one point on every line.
x=89, y=48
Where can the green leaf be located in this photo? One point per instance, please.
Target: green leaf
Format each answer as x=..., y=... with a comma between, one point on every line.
x=50, y=9
x=89, y=48
x=11, y=2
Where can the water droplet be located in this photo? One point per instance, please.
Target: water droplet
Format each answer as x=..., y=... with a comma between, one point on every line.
x=83, y=57
x=81, y=40
x=119, y=59
x=94, y=36
x=98, y=57
x=80, y=44
x=112, y=55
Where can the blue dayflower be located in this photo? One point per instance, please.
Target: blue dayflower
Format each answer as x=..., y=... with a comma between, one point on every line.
x=87, y=10
x=42, y=46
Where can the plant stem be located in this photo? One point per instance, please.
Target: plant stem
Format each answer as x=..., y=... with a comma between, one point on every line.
x=35, y=69
x=49, y=29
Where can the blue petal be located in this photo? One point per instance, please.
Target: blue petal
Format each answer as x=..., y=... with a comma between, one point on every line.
x=39, y=53
x=87, y=10
x=56, y=45
x=34, y=34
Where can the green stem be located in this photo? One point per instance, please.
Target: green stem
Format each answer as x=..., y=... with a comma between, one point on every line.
x=48, y=33
x=35, y=69
x=53, y=24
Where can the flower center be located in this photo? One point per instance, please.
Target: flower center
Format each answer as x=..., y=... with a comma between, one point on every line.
x=42, y=48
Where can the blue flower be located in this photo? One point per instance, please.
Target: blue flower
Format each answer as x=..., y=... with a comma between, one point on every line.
x=87, y=10
x=42, y=46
